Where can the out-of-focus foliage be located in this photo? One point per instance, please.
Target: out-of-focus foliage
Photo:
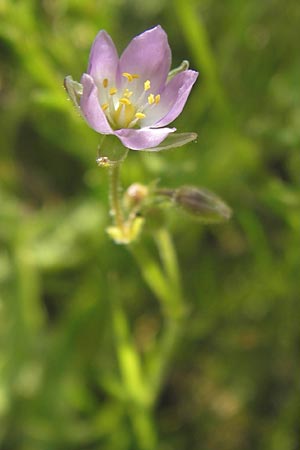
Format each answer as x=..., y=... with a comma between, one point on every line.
x=234, y=383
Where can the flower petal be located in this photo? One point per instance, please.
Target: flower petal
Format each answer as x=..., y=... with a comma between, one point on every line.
x=143, y=139
x=103, y=60
x=172, y=100
x=91, y=108
x=149, y=56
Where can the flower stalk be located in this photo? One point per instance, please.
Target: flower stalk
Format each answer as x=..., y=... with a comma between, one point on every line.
x=164, y=281
x=124, y=229
x=115, y=196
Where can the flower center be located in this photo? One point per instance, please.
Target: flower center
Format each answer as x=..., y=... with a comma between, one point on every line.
x=127, y=107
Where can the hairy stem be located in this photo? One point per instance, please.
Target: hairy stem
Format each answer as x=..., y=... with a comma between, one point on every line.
x=114, y=195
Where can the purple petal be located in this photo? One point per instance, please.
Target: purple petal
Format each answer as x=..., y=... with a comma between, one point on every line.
x=172, y=99
x=91, y=108
x=103, y=60
x=149, y=56
x=143, y=138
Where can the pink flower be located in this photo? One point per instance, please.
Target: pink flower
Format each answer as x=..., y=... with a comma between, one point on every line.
x=132, y=97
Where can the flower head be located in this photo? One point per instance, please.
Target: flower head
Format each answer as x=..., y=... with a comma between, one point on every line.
x=132, y=97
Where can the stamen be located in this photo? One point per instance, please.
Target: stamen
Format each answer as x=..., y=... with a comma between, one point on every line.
x=128, y=76
x=104, y=106
x=105, y=82
x=151, y=99
x=127, y=93
x=147, y=85
x=113, y=91
x=157, y=98
x=124, y=101
x=140, y=115
x=135, y=75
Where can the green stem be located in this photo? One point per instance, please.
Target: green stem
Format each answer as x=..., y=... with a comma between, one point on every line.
x=174, y=323
x=144, y=429
x=134, y=384
x=115, y=189
x=128, y=357
x=165, y=283
x=153, y=275
x=164, y=354
x=164, y=280
x=170, y=263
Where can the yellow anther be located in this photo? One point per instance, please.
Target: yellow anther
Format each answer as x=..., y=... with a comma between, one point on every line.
x=135, y=75
x=105, y=82
x=124, y=101
x=113, y=91
x=147, y=85
x=128, y=76
x=127, y=93
x=140, y=115
x=104, y=106
x=157, y=98
x=151, y=99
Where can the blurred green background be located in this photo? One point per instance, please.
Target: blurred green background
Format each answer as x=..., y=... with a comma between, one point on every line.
x=235, y=377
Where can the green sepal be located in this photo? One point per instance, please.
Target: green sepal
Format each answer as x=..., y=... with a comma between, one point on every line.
x=111, y=152
x=174, y=140
x=74, y=90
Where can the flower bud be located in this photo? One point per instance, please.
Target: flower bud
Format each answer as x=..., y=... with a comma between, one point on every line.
x=135, y=195
x=203, y=204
